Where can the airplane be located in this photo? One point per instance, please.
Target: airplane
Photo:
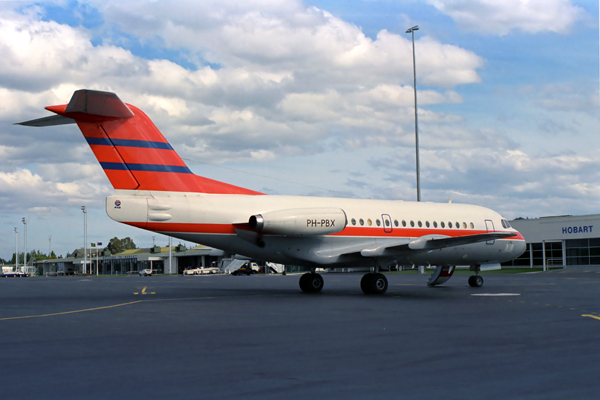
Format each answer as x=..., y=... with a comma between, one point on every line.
x=156, y=191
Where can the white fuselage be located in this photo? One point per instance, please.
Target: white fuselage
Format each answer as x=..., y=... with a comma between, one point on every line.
x=221, y=221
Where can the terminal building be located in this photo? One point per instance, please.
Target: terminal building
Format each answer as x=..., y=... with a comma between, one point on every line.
x=560, y=241
x=132, y=261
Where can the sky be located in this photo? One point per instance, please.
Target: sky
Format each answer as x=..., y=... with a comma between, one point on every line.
x=306, y=98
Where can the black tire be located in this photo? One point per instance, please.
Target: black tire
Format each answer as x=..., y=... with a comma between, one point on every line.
x=374, y=283
x=311, y=283
x=479, y=281
x=380, y=284
x=365, y=283
x=476, y=281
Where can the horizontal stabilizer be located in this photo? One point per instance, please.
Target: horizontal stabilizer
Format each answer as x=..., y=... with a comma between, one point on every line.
x=48, y=121
x=97, y=103
x=85, y=105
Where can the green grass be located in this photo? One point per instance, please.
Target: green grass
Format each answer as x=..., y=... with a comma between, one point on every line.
x=466, y=271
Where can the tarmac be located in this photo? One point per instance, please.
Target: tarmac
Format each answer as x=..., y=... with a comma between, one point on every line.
x=520, y=336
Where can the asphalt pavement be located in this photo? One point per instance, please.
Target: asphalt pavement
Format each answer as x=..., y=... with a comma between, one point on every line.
x=520, y=336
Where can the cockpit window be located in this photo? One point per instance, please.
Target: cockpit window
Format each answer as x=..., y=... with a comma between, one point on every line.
x=505, y=224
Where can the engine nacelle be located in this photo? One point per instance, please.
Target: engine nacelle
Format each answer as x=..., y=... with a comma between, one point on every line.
x=300, y=221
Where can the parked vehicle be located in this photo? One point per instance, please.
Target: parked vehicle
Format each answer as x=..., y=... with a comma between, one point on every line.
x=201, y=271
x=247, y=269
x=17, y=274
x=209, y=270
x=146, y=272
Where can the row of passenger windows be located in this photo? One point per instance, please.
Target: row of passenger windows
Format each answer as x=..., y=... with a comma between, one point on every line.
x=412, y=224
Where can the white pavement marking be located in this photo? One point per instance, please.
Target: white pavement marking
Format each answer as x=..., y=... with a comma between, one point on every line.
x=496, y=294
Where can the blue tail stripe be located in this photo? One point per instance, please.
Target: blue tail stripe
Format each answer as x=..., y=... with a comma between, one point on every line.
x=128, y=143
x=146, y=167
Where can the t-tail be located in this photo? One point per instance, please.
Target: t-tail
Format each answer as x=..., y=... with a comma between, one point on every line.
x=130, y=149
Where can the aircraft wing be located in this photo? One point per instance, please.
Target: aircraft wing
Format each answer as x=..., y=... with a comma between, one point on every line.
x=432, y=242
x=379, y=248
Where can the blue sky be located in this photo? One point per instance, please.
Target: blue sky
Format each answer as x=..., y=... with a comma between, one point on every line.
x=307, y=98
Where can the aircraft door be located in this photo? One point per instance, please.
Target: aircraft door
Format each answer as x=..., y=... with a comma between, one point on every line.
x=387, y=223
x=489, y=227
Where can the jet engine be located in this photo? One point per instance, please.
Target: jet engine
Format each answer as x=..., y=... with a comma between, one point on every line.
x=300, y=221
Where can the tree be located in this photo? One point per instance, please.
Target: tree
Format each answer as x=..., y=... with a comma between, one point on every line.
x=116, y=245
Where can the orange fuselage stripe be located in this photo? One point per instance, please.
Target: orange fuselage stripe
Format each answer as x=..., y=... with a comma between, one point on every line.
x=347, y=232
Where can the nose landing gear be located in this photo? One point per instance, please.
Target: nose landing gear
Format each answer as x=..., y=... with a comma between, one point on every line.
x=475, y=280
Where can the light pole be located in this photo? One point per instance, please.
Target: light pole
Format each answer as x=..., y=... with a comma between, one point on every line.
x=16, y=249
x=84, y=239
x=412, y=32
x=25, y=244
x=171, y=255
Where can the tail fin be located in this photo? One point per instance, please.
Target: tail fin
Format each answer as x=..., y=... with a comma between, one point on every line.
x=130, y=149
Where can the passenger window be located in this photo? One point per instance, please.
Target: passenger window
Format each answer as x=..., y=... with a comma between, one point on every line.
x=465, y=225
x=396, y=223
x=412, y=223
x=369, y=222
x=443, y=224
x=361, y=222
x=435, y=224
x=449, y=224
x=427, y=224
x=353, y=221
x=387, y=222
x=420, y=224
x=457, y=225
x=378, y=222
x=472, y=226
x=404, y=223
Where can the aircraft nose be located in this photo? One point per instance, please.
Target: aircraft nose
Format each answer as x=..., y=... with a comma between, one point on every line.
x=519, y=248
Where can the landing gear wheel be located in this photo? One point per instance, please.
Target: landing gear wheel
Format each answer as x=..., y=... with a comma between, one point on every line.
x=475, y=281
x=374, y=283
x=311, y=283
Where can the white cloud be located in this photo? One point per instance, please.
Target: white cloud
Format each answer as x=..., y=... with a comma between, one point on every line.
x=21, y=190
x=510, y=181
x=502, y=17
x=284, y=68
x=279, y=41
x=277, y=83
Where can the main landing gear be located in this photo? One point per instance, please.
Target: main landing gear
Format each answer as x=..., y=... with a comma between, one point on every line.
x=311, y=283
x=374, y=283
x=475, y=280
x=371, y=283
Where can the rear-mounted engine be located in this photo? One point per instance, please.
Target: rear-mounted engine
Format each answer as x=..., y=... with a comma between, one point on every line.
x=300, y=221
